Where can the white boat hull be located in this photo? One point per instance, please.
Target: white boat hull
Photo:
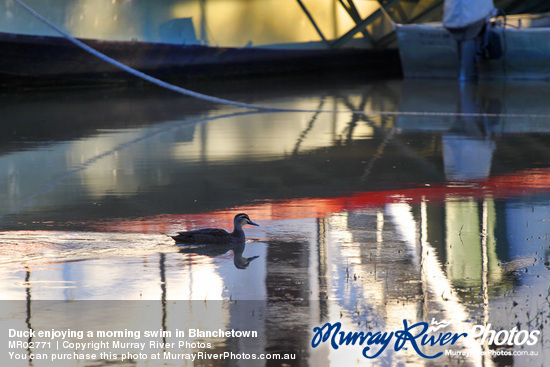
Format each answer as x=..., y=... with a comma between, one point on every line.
x=430, y=51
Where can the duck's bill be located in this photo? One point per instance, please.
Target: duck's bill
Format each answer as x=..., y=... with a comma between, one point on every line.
x=252, y=223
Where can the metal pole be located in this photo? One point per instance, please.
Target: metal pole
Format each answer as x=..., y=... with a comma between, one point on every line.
x=364, y=23
x=312, y=20
x=203, y=34
x=352, y=11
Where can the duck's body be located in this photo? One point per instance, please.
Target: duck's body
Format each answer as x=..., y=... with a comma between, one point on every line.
x=212, y=236
x=209, y=236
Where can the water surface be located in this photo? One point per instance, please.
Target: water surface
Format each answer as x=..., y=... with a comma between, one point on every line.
x=366, y=219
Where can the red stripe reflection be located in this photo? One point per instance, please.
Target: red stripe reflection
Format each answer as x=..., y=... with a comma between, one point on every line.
x=527, y=182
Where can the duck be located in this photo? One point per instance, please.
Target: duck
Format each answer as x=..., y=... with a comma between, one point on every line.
x=213, y=236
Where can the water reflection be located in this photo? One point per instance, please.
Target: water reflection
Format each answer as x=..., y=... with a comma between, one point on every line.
x=366, y=219
x=239, y=260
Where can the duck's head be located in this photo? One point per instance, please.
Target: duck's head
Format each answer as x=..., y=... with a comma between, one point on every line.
x=243, y=262
x=242, y=219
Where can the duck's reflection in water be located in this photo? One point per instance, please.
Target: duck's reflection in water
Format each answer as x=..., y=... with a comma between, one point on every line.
x=239, y=260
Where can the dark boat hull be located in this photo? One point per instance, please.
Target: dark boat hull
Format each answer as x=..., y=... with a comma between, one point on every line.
x=30, y=57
